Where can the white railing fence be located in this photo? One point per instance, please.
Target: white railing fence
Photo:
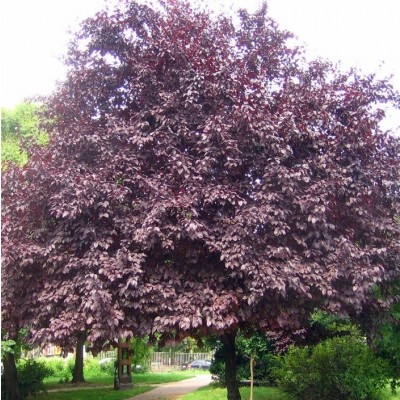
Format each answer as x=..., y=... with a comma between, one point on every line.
x=163, y=361
x=107, y=354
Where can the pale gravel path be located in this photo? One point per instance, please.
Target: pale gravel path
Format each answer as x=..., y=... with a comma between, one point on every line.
x=174, y=390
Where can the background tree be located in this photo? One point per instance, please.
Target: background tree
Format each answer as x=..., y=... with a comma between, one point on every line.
x=248, y=344
x=324, y=325
x=200, y=177
x=141, y=353
x=20, y=126
x=20, y=131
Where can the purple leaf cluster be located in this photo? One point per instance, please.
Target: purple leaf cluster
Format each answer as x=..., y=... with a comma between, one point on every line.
x=200, y=176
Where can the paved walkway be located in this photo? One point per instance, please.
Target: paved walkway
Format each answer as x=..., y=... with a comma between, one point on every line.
x=175, y=390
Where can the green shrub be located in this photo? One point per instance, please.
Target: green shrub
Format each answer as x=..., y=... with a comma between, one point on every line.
x=64, y=376
x=91, y=366
x=108, y=367
x=59, y=368
x=70, y=365
x=342, y=368
x=54, y=364
x=30, y=377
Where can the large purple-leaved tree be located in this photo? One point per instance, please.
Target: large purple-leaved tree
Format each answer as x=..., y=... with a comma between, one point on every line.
x=201, y=176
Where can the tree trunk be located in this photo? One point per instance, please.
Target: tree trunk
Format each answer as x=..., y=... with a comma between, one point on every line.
x=10, y=377
x=228, y=340
x=251, y=376
x=77, y=375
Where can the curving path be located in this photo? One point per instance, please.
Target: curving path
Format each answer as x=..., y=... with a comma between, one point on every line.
x=174, y=390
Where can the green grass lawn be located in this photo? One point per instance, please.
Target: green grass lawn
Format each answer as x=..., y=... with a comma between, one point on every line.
x=107, y=380
x=210, y=392
x=95, y=394
x=88, y=390
x=162, y=377
x=91, y=380
x=213, y=392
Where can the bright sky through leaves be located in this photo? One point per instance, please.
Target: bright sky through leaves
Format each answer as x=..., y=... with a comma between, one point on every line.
x=362, y=33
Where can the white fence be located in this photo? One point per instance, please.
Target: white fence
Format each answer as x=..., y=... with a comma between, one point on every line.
x=164, y=361
x=107, y=354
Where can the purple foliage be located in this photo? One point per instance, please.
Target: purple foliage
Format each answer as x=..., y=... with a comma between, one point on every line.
x=200, y=176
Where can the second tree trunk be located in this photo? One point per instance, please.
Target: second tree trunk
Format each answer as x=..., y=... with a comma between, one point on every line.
x=228, y=340
x=77, y=375
x=10, y=377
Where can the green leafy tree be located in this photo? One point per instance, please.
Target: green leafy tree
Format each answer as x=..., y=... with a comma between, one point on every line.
x=141, y=352
x=248, y=345
x=19, y=129
x=325, y=325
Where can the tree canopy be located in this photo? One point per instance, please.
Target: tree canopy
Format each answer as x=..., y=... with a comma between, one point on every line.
x=200, y=176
